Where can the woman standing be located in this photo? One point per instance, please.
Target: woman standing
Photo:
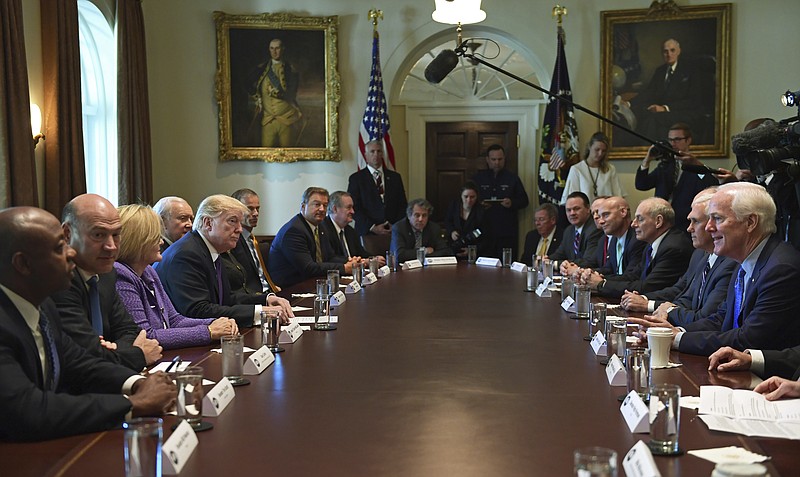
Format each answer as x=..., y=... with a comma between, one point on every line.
x=463, y=217
x=594, y=176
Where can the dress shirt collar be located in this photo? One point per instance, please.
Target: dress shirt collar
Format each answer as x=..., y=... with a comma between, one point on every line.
x=336, y=226
x=712, y=259
x=27, y=309
x=656, y=243
x=749, y=263
x=372, y=170
x=579, y=229
x=313, y=227
x=211, y=249
x=86, y=276
x=246, y=234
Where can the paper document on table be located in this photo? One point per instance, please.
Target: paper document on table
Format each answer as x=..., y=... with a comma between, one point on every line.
x=729, y=455
x=746, y=404
x=162, y=366
x=300, y=308
x=752, y=427
x=303, y=295
x=309, y=320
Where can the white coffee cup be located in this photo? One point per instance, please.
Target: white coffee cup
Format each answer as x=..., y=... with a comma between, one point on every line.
x=659, y=340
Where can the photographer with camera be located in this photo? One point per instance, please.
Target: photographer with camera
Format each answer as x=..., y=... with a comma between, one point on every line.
x=670, y=182
x=464, y=220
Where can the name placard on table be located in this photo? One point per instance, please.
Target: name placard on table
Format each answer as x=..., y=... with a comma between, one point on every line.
x=519, y=267
x=488, y=262
x=636, y=413
x=599, y=344
x=216, y=400
x=542, y=290
x=258, y=361
x=338, y=298
x=384, y=271
x=639, y=462
x=177, y=449
x=352, y=287
x=369, y=279
x=291, y=332
x=411, y=264
x=615, y=372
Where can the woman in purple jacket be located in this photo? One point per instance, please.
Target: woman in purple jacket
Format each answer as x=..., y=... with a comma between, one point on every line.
x=141, y=291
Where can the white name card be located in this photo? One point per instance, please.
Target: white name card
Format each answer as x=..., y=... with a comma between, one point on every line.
x=218, y=398
x=291, y=332
x=542, y=290
x=258, y=361
x=369, y=279
x=338, y=298
x=635, y=412
x=639, y=462
x=411, y=264
x=178, y=448
x=599, y=344
x=384, y=271
x=568, y=302
x=441, y=261
x=352, y=287
x=488, y=262
x=519, y=267
x=615, y=372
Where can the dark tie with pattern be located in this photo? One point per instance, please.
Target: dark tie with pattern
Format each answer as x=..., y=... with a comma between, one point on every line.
x=648, y=251
x=51, y=352
x=702, y=288
x=417, y=239
x=576, y=244
x=318, y=245
x=218, y=269
x=94, y=304
x=738, y=290
x=379, y=182
x=605, y=249
x=668, y=79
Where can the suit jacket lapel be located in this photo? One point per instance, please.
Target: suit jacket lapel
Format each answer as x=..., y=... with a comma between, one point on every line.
x=32, y=364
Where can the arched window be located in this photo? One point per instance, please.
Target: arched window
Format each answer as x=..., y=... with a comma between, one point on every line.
x=99, y=97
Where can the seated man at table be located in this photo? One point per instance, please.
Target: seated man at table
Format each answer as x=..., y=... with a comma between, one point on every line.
x=177, y=216
x=546, y=236
x=91, y=311
x=760, y=311
x=300, y=249
x=702, y=288
x=191, y=269
x=415, y=231
x=762, y=362
x=581, y=237
x=343, y=239
x=51, y=386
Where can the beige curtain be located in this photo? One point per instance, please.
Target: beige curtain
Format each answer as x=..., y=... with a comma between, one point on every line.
x=17, y=164
x=135, y=157
x=65, y=175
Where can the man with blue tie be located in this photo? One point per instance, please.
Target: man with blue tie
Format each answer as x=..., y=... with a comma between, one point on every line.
x=664, y=259
x=52, y=387
x=581, y=237
x=92, y=313
x=702, y=288
x=761, y=308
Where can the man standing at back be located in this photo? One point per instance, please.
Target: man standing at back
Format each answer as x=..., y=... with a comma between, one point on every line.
x=378, y=194
x=91, y=311
x=503, y=195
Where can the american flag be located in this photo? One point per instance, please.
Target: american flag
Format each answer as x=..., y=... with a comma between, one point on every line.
x=559, y=131
x=375, y=124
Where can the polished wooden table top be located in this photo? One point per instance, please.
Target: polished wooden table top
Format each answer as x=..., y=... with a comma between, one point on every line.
x=451, y=370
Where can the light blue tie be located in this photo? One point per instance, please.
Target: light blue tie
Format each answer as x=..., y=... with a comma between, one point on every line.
x=620, y=252
x=738, y=290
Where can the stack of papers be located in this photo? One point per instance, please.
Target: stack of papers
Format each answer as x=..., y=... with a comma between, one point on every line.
x=746, y=412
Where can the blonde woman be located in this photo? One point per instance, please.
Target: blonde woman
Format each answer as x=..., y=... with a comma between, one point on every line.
x=141, y=291
x=593, y=176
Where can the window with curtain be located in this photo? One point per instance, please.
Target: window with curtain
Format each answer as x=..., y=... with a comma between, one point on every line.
x=99, y=98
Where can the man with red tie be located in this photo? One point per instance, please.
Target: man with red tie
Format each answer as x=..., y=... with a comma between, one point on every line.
x=379, y=197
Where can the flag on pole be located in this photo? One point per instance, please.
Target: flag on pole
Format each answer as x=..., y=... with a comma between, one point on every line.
x=559, y=131
x=375, y=124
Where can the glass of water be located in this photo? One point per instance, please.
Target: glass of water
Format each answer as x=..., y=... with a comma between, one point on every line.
x=595, y=462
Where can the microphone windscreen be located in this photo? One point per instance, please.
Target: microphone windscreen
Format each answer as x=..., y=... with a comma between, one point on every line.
x=766, y=135
x=441, y=66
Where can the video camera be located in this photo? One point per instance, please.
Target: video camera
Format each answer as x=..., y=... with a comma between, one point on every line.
x=470, y=238
x=770, y=148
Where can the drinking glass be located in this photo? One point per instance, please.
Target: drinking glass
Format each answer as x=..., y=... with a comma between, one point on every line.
x=665, y=418
x=233, y=358
x=143, y=438
x=595, y=462
x=271, y=329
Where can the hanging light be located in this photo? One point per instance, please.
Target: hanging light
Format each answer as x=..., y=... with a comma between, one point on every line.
x=458, y=12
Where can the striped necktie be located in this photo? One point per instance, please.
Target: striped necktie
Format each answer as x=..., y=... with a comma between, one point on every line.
x=576, y=244
x=318, y=256
x=53, y=373
x=379, y=182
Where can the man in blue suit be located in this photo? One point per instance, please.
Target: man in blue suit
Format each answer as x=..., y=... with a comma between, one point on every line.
x=761, y=308
x=702, y=288
x=378, y=195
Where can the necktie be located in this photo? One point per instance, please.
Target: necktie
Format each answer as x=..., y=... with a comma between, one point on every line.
x=218, y=269
x=317, y=244
x=417, y=239
x=706, y=270
x=379, y=182
x=94, y=304
x=542, y=248
x=53, y=363
x=576, y=244
x=344, y=243
x=668, y=77
x=263, y=266
x=620, y=252
x=738, y=290
x=648, y=252
x=605, y=249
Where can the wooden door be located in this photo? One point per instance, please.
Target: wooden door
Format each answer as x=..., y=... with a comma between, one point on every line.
x=455, y=151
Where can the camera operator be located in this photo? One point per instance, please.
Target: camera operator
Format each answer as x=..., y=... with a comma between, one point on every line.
x=464, y=220
x=671, y=183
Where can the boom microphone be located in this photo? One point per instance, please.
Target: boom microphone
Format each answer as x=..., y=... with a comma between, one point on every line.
x=765, y=135
x=441, y=66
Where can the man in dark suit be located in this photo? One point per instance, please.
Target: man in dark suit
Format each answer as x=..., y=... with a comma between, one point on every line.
x=343, y=240
x=177, y=216
x=701, y=289
x=760, y=311
x=378, y=194
x=664, y=259
x=92, y=313
x=191, y=270
x=624, y=251
x=244, y=264
x=669, y=180
x=417, y=231
x=301, y=249
x=581, y=237
x=546, y=236
x=51, y=386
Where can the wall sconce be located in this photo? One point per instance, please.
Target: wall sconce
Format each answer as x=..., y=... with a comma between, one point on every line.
x=36, y=124
x=458, y=12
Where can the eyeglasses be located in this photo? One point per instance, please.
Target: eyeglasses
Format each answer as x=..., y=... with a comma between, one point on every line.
x=675, y=139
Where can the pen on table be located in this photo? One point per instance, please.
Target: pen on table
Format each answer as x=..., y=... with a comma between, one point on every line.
x=176, y=361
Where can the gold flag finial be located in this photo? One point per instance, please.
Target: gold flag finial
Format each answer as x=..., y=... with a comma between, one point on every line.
x=375, y=15
x=558, y=12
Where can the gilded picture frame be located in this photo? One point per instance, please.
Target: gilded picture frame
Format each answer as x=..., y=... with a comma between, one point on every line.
x=277, y=87
x=633, y=63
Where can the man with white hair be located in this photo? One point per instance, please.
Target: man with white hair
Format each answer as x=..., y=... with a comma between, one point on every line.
x=177, y=216
x=192, y=270
x=761, y=310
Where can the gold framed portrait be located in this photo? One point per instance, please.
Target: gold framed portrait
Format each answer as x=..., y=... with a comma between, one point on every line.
x=666, y=65
x=277, y=87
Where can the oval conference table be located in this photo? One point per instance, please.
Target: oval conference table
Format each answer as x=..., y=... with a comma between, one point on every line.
x=449, y=370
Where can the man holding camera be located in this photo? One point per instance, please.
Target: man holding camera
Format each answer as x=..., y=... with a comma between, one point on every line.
x=671, y=183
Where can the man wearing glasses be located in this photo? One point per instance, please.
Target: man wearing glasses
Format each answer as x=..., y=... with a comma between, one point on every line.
x=669, y=180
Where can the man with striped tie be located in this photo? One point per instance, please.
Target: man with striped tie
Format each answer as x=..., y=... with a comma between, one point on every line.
x=52, y=387
x=581, y=237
